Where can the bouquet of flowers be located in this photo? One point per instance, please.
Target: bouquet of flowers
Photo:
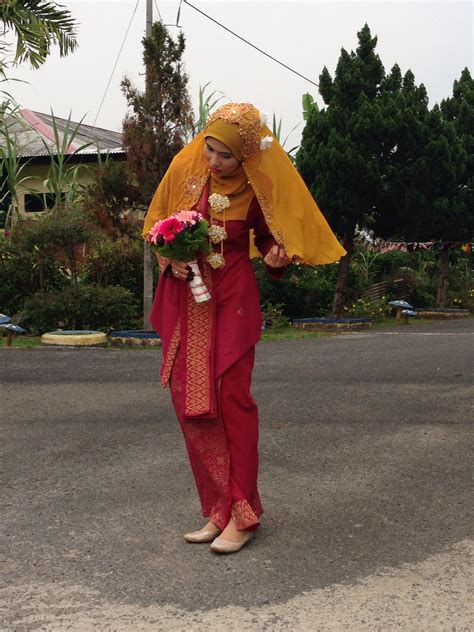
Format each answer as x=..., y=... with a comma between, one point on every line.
x=181, y=237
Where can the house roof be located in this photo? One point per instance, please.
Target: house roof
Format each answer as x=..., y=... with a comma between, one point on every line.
x=34, y=130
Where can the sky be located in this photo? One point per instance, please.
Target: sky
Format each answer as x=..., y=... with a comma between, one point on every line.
x=434, y=39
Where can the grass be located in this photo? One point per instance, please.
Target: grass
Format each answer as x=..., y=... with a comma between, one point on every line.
x=22, y=342
x=289, y=333
x=283, y=333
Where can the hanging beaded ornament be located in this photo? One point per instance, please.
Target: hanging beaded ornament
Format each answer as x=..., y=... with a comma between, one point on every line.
x=218, y=203
x=217, y=234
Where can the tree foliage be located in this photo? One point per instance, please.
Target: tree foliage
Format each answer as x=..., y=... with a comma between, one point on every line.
x=342, y=143
x=38, y=25
x=459, y=111
x=155, y=128
x=114, y=200
x=376, y=157
x=428, y=178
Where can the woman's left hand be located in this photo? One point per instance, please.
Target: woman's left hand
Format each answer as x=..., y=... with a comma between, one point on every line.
x=276, y=257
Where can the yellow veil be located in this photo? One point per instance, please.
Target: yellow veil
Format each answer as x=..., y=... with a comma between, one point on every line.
x=290, y=211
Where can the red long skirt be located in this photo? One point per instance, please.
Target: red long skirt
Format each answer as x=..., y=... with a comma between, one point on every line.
x=224, y=452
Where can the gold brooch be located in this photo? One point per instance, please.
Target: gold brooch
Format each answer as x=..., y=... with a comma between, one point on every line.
x=217, y=233
x=218, y=202
x=216, y=260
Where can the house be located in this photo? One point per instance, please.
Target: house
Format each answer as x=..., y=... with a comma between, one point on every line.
x=34, y=133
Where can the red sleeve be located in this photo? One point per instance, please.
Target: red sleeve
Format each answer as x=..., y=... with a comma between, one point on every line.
x=263, y=238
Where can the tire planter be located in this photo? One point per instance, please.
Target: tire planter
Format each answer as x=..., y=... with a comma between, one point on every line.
x=332, y=324
x=135, y=338
x=75, y=338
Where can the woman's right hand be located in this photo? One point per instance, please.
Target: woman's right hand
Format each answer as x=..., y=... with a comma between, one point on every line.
x=180, y=270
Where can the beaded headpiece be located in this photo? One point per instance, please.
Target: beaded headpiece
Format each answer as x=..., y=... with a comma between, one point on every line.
x=249, y=121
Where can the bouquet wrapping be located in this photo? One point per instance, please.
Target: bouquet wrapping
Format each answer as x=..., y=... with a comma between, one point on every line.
x=181, y=237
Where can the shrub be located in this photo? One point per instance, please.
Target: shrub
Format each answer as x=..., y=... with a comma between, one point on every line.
x=366, y=307
x=21, y=272
x=464, y=300
x=389, y=263
x=273, y=316
x=117, y=262
x=461, y=283
x=84, y=307
x=304, y=291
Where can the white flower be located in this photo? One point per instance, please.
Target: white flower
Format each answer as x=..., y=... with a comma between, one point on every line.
x=264, y=118
x=266, y=142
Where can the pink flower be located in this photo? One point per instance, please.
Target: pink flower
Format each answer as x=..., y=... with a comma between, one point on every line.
x=153, y=233
x=169, y=228
x=188, y=216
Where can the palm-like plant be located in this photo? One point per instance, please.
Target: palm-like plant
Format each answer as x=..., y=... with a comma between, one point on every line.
x=62, y=180
x=206, y=104
x=38, y=24
x=11, y=164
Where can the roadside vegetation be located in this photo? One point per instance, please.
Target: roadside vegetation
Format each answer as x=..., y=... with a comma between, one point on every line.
x=383, y=165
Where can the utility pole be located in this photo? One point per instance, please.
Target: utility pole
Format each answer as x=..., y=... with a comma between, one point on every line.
x=147, y=254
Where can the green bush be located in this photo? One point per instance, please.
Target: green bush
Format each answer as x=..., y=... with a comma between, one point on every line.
x=84, y=307
x=390, y=263
x=304, y=291
x=461, y=282
x=367, y=307
x=118, y=262
x=20, y=274
x=273, y=316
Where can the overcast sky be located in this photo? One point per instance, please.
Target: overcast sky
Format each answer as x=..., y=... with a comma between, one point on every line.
x=434, y=39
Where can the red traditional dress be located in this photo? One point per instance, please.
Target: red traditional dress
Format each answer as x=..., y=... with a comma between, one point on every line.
x=208, y=355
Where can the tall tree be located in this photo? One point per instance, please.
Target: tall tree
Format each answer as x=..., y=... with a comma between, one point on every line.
x=37, y=25
x=459, y=110
x=425, y=194
x=155, y=129
x=157, y=126
x=403, y=162
x=341, y=145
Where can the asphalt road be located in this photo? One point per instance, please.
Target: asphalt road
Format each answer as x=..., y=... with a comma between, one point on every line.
x=366, y=479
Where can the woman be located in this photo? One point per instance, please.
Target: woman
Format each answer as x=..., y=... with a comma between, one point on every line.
x=237, y=175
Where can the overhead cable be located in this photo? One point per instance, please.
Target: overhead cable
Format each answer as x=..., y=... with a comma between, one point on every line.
x=158, y=11
x=249, y=43
x=116, y=62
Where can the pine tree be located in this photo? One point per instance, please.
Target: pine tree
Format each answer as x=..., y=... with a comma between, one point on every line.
x=404, y=168
x=459, y=110
x=339, y=158
x=425, y=195
x=155, y=129
x=457, y=221
x=377, y=157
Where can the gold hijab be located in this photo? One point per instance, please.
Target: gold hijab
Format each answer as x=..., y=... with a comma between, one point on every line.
x=290, y=211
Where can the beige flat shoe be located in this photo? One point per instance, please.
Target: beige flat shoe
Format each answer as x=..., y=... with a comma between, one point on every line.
x=224, y=546
x=203, y=535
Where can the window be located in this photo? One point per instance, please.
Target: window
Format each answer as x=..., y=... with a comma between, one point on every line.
x=35, y=202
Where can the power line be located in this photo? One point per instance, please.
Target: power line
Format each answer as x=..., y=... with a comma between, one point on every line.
x=158, y=11
x=249, y=43
x=179, y=12
x=116, y=62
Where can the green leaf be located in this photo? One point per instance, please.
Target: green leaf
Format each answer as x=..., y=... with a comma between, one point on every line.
x=308, y=105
